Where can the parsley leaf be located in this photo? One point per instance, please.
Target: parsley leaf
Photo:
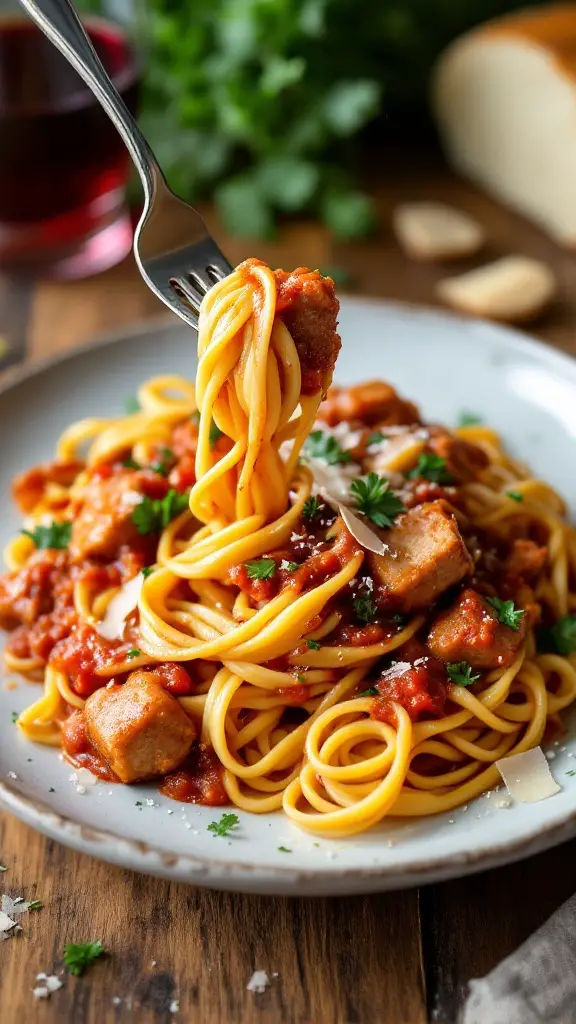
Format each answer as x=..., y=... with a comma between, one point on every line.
x=56, y=536
x=376, y=438
x=469, y=419
x=310, y=507
x=147, y=571
x=131, y=463
x=313, y=645
x=515, y=495
x=131, y=404
x=78, y=957
x=284, y=849
x=214, y=434
x=224, y=826
x=365, y=609
x=507, y=614
x=3, y=867
x=375, y=500
x=153, y=515
x=370, y=692
x=162, y=466
x=263, y=569
x=431, y=467
x=320, y=445
x=460, y=672
x=134, y=653
x=571, y=772
x=290, y=566
x=15, y=717
x=559, y=638
x=35, y=905
x=301, y=679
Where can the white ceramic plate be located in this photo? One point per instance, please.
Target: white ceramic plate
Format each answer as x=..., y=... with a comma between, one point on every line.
x=527, y=391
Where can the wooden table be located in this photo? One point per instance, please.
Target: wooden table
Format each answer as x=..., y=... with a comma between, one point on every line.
x=396, y=958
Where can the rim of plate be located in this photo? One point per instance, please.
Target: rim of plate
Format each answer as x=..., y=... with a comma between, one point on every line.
x=112, y=846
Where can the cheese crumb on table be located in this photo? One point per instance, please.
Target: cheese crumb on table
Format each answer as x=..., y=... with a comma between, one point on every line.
x=258, y=982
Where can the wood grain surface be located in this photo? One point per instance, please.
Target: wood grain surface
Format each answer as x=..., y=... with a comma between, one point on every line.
x=395, y=958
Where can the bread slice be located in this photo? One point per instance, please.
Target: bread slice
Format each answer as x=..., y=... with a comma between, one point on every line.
x=434, y=231
x=513, y=289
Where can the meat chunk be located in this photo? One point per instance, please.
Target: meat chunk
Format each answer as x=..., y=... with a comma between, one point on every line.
x=32, y=591
x=139, y=729
x=426, y=556
x=464, y=461
x=470, y=631
x=373, y=403
x=28, y=488
x=104, y=521
x=525, y=560
x=306, y=302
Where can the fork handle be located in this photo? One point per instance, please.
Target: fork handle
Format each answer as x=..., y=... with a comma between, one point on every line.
x=58, y=20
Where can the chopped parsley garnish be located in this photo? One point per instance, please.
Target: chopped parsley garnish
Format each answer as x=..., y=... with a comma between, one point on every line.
x=215, y=434
x=313, y=645
x=3, y=867
x=399, y=619
x=284, y=849
x=460, y=672
x=559, y=638
x=56, y=536
x=431, y=467
x=139, y=805
x=370, y=692
x=35, y=905
x=134, y=653
x=15, y=717
x=515, y=495
x=301, y=679
x=131, y=463
x=290, y=566
x=225, y=825
x=147, y=571
x=263, y=569
x=320, y=445
x=162, y=465
x=310, y=507
x=571, y=772
x=376, y=438
x=131, y=404
x=78, y=957
x=469, y=419
x=507, y=613
x=154, y=515
x=365, y=609
x=375, y=500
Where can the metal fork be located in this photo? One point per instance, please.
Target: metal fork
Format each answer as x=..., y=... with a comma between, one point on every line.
x=176, y=255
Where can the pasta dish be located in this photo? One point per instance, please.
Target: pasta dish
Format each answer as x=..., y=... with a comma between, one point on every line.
x=267, y=591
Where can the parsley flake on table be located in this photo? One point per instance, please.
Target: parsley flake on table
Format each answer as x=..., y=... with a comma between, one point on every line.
x=154, y=515
x=215, y=434
x=35, y=905
x=313, y=645
x=320, y=445
x=134, y=653
x=263, y=569
x=515, y=495
x=375, y=500
x=310, y=507
x=469, y=419
x=56, y=536
x=559, y=638
x=460, y=672
x=223, y=827
x=370, y=692
x=365, y=609
x=507, y=613
x=431, y=467
x=3, y=867
x=78, y=957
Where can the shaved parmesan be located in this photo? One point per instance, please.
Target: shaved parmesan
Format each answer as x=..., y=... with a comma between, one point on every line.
x=258, y=982
x=124, y=602
x=333, y=482
x=6, y=923
x=527, y=776
x=361, y=532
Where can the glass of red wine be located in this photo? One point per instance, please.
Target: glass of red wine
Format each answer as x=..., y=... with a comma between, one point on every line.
x=63, y=166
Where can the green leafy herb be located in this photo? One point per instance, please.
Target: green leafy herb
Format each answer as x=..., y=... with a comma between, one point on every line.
x=131, y=404
x=370, y=692
x=365, y=609
x=263, y=569
x=214, y=434
x=515, y=495
x=162, y=466
x=431, y=467
x=571, y=772
x=35, y=905
x=376, y=438
x=147, y=571
x=310, y=507
x=320, y=445
x=469, y=419
x=56, y=536
x=15, y=717
x=225, y=825
x=78, y=957
x=139, y=804
x=301, y=679
x=154, y=515
x=131, y=463
x=313, y=645
x=291, y=566
x=3, y=867
x=460, y=672
x=507, y=613
x=559, y=638
x=134, y=653
x=284, y=849
x=375, y=500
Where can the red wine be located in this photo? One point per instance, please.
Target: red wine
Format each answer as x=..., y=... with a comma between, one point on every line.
x=62, y=161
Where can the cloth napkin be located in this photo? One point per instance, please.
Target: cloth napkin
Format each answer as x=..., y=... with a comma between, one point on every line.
x=536, y=984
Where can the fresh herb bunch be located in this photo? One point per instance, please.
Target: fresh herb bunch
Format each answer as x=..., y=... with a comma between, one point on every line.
x=254, y=102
